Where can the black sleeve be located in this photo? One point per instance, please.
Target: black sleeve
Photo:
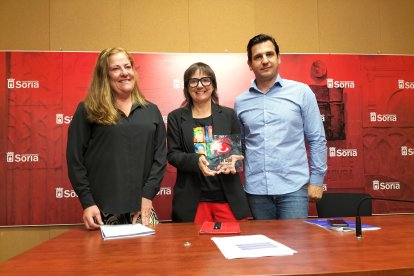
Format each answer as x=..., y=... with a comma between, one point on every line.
x=235, y=124
x=159, y=162
x=177, y=155
x=78, y=138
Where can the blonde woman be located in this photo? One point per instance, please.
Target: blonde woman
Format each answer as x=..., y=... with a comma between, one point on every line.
x=116, y=152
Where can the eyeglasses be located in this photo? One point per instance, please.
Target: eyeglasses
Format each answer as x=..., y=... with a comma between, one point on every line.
x=206, y=81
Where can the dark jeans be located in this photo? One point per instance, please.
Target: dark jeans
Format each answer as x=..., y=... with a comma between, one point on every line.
x=288, y=206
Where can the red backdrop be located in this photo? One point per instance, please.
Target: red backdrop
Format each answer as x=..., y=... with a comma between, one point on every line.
x=366, y=102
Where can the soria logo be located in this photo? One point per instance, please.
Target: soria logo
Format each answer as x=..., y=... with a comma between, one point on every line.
x=10, y=157
x=374, y=117
x=165, y=191
x=377, y=185
x=406, y=151
x=331, y=83
x=22, y=157
x=12, y=83
x=334, y=152
x=323, y=117
x=402, y=84
x=62, y=119
x=63, y=193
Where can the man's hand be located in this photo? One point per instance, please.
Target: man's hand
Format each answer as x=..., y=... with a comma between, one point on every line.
x=315, y=192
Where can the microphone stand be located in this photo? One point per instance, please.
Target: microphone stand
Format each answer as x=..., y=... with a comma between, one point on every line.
x=358, y=226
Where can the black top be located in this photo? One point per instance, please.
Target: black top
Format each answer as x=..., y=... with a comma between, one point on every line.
x=211, y=187
x=181, y=154
x=114, y=166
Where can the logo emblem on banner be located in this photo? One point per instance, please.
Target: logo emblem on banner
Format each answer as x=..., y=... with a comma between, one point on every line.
x=61, y=119
x=10, y=157
x=62, y=193
x=334, y=152
x=377, y=185
x=59, y=192
x=331, y=83
x=12, y=83
x=374, y=117
x=405, y=151
x=402, y=84
x=23, y=157
x=165, y=191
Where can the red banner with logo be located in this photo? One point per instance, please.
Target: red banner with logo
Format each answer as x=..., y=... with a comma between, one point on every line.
x=366, y=104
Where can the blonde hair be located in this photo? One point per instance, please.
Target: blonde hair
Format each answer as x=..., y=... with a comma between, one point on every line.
x=100, y=102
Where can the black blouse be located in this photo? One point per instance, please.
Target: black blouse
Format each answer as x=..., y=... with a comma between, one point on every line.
x=114, y=166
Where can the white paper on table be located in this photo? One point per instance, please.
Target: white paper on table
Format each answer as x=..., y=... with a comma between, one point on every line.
x=250, y=246
x=125, y=231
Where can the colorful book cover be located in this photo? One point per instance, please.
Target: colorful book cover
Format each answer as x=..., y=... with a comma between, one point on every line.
x=221, y=150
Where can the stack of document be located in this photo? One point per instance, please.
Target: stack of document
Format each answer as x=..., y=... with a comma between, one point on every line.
x=125, y=231
x=251, y=246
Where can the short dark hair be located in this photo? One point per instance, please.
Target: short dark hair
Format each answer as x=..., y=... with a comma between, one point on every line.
x=259, y=39
x=204, y=68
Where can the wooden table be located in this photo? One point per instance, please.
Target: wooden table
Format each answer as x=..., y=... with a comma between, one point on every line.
x=389, y=251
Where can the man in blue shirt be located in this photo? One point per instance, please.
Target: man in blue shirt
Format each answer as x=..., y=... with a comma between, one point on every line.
x=277, y=116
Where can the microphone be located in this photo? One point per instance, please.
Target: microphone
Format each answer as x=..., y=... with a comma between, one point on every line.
x=358, y=226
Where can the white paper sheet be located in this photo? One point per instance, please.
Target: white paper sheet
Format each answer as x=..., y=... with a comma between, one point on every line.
x=250, y=246
x=125, y=231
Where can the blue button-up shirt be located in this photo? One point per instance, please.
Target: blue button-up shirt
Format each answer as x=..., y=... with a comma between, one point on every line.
x=274, y=127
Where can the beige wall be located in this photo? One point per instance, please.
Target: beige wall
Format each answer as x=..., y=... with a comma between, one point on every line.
x=300, y=26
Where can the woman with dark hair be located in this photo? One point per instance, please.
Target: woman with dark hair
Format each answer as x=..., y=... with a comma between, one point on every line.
x=200, y=193
x=116, y=146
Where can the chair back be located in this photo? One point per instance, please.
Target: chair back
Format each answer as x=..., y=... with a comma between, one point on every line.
x=343, y=205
